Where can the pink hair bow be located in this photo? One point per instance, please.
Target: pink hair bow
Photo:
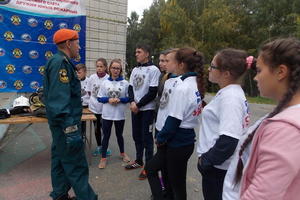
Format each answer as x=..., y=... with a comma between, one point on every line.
x=249, y=61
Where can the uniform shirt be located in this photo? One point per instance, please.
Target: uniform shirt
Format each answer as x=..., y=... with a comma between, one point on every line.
x=230, y=188
x=226, y=114
x=85, y=97
x=62, y=92
x=114, y=89
x=186, y=103
x=141, y=79
x=184, y=107
x=164, y=104
x=94, y=85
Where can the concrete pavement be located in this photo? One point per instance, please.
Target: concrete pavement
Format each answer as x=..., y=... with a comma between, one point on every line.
x=25, y=167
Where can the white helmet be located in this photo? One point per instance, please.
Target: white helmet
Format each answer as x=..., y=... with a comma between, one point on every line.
x=21, y=101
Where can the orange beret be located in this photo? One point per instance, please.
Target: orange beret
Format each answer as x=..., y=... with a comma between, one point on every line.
x=64, y=35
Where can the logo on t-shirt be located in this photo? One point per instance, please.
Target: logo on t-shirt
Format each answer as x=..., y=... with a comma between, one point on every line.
x=138, y=80
x=165, y=98
x=95, y=90
x=114, y=92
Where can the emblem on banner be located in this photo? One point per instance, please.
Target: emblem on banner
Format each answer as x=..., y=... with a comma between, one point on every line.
x=27, y=69
x=63, y=25
x=77, y=27
x=34, y=85
x=4, y=1
x=18, y=84
x=78, y=58
x=9, y=36
x=1, y=17
x=17, y=53
x=2, y=52
x=16, y=20
x=48, y=54
x=10, y=68
x=63, y=76
x=42, y=39
x=3, y=84
x=48, y=24
x=33, y=54
x=26, y=37
x=32, y=22
x=42, y=70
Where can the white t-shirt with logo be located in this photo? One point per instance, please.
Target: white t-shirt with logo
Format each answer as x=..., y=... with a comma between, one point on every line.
x=141, y=79
x=231, y=190
x=186, y=103
x=114, y=89
x=164, y=104
x=85, y=97
x=226, y=114
x=94, y=85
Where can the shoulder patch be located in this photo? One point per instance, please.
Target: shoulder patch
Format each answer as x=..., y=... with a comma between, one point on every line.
x=63, y=76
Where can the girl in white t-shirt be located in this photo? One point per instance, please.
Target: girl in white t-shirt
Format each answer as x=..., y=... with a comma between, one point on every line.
x=224, y=120
x=114, y=96
x=160, y=188
x=184, y=108
x=93, y=87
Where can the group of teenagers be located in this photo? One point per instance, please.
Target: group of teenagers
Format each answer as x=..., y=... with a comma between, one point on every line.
x=235, y=161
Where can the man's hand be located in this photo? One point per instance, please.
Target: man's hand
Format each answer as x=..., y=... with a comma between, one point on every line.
x=73, y=138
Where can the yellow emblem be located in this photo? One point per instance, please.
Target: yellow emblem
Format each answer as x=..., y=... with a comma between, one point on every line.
x=63, y=76
x=17, y=53
x=9, y=36
x=77, y=27
x=48, y=54
x=48, y=24
x=15, y=20
x=42, y=39
x=77, y=59
x=18, y=84
x=42, y=70
x=10, y=68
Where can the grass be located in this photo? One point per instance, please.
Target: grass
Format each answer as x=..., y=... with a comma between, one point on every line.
x=260, y=100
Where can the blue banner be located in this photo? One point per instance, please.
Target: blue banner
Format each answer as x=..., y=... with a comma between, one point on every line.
x=26, y=39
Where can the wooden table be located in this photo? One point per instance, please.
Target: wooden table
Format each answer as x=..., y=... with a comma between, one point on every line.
x=87, y=116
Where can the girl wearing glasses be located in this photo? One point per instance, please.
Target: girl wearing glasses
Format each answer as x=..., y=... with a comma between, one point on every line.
x=224, y=120
x=114, y=96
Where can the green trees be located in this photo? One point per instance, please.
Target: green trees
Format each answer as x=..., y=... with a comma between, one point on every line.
x=210, y=25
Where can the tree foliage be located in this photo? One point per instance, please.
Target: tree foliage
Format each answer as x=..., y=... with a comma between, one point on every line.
x=211, y=25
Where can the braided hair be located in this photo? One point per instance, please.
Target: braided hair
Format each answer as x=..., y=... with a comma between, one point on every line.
x=284, y=51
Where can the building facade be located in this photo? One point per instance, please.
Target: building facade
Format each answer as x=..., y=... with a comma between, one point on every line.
x=105, y=31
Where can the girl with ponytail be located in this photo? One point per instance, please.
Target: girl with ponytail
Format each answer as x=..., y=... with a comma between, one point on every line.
x=182, y=116
x=273, y=169
x=224, y=119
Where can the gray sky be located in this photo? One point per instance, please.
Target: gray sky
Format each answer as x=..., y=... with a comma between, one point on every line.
x=138, y=6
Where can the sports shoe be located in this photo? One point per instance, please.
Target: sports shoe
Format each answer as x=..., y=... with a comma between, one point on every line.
x=143, y=175
x=133, y=165
x=65, y=197
x=108, y=152
x=97, y=151
x=125, y=157
x=102, y=163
